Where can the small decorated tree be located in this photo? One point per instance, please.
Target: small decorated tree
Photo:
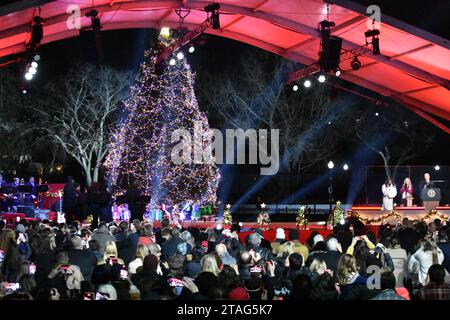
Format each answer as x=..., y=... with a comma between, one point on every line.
x=337, y=215
x=263, y=217
x=301, y=218
x=227, y=219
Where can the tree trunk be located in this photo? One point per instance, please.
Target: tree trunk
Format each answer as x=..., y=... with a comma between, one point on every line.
x=95, y=174
x=87, y=172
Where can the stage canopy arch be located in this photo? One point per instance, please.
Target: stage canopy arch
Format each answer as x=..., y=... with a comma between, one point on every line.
x=413, y=67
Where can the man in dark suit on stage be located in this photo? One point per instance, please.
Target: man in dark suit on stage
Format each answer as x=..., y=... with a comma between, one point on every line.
x=426, y=183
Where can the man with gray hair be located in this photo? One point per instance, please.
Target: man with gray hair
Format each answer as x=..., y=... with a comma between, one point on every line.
x=84, y=259
x=332, y=255
x=254, y=243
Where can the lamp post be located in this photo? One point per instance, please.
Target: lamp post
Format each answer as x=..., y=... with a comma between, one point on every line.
x=330, y=187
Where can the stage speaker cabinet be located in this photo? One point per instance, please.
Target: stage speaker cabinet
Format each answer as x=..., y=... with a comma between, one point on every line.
x=28, y=210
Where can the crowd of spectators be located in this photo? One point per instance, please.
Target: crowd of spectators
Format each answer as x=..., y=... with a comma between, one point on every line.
x=135, y=261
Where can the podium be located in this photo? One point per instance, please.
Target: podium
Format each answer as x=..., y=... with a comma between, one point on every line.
x=430, y=198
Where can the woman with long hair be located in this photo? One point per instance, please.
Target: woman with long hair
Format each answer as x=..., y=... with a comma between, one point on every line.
x=407, y=192
x=209, y=264
x=427, y=255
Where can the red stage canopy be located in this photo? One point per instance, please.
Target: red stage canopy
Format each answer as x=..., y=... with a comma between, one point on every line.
x=413, y=69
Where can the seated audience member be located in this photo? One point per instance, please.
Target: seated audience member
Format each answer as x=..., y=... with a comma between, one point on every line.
x=332, y=255
x=325, y=287
x=223, y=254
x=94, y=247
x=301, y=288
x=146, y=235
x=255, y=245
x=387, y=284
x=102, y=235
x=444, y=245
x=193, y=266
x=352, y=285
x=298, y=246
x=399, y=259
x=436, y=289
x=84, y=259
x=427, y=255
x=111, y=255
x=141, y=253
x=209, y=264
x=169, y=247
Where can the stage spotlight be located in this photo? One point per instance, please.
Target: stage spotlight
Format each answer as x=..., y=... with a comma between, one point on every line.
x=215, y=17
x=437, y=168
x=37, y=57
x=376, y=114
x=321, y=78
x=191, y=49
x=307, y=83
x=180, y=55
x=172, y=61
x=329, y=122
x=330, y=165
x=240, y=224
x=34, y=64
x=295, y=87
x=338, y=73
x=345, y=167
x=356, y=64
x=376, y=46
x=165, y=32
x=32, y=70
x=24, y=91
x=28, y=76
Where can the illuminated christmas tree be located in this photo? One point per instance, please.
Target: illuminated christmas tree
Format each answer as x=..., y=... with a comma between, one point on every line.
x=162, y=101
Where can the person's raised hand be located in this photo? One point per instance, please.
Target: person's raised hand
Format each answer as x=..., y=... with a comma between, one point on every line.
x=271, y=268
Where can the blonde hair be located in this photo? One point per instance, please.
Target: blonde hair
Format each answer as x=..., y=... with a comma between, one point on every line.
x=141, y=251
x=318, y=266
x=110, y=250
x=209, y=264
x=286, y=248
x=346, y=268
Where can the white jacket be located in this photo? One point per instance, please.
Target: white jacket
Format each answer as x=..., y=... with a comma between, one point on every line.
x=421, y=261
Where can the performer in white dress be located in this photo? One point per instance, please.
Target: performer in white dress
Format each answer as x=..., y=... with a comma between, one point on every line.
x=389, y=193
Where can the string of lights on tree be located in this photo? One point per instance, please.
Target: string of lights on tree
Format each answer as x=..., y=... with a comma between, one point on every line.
x=227, y=219
x=161, y=101
x=301, y=218
x=263, y=218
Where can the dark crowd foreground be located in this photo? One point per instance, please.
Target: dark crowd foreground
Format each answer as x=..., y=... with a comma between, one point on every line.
x=135, y=261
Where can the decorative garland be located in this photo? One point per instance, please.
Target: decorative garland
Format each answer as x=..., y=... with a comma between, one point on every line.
x=227, y=219
x=263, y=217
x=398, y=216
x=301, y=219
x=431, y=214
x=337, y=215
